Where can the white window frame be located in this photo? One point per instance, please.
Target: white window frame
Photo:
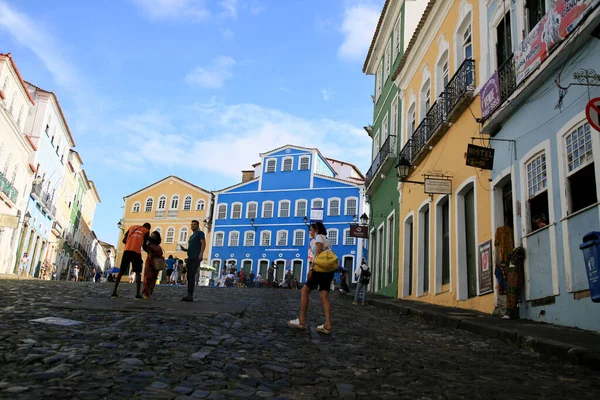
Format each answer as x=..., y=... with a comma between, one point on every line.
x=200, y=205
x=164, y=199
x=385, y=129
x=291, y=160
x=185, y=199
x=289, y=212
x=442, y=59
x=187, y=234
x=388, y=61
x=219, y=239
x=298, y=243
x=496, y=20
x=287, y=237
x=411, y=120
x=170, y=229
x=305, y=207
x=397, y=28
x=337, y=237
x=272, y=208
x=424, y=97
x=230, y=239
x=348, y=237
x=252, y=203
x=378, y=81
x=329, y=206
x=151, y=199
x=312, y=203
x=586, y=162
x=248, y=243
x=301, y=161
x=346, y=206
x=394, y=118
x=174, y=198
x=219, y=211
x=233, y=205
x=267, y=242
x=267, y=167
x=137, y=206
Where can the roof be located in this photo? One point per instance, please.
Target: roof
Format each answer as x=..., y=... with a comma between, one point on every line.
x=59, y=109
x=413, y=39
x=288, y=145
x=337, y=179
x=379, y=23
x=104, y=244
x=76, y=155
x=93, y=186
x=347, y=163
x=238, y=184
x=9, y=56
x=85, y=177
x=164, y=179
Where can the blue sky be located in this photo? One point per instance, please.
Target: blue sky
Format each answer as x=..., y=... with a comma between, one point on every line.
x=196, y=88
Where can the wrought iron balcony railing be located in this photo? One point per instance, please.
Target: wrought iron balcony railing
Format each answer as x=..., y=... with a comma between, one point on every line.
x=461, y=85
x=388, y=149
x=8, y=189
x=507, y=78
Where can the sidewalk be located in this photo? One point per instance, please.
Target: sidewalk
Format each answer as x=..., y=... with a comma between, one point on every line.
x=15, y=277
x=574, y=345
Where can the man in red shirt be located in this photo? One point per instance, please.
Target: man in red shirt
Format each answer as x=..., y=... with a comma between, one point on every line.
x=134, y=239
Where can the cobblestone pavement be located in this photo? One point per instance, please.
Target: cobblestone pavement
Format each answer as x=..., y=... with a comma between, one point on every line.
x=168, y=353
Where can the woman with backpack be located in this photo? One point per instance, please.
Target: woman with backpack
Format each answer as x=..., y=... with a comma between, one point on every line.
x=316, y=278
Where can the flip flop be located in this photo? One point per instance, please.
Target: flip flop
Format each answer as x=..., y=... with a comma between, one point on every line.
x=295, y=323
x=322, y=329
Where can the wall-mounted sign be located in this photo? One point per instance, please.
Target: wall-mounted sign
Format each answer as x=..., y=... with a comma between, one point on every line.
x=359, y=231
x=438, y=186
x=490, y=96
x=592, y=112
x=485, y=268
x=480, y=157
x=316, y=214
x=9, y=221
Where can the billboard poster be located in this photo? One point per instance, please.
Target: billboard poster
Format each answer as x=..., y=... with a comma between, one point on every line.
x=490, y=96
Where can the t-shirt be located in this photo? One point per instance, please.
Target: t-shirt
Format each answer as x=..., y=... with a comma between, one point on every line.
x=170, y=263
x=136, y=236
x=312, y=250
x=195, y=244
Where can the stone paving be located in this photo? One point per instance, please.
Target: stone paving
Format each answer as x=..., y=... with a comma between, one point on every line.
x=163, y=350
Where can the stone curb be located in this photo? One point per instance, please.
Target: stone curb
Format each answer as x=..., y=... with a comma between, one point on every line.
x=538, y=344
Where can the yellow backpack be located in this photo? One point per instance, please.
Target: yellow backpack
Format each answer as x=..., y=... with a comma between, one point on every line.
x=326, y=261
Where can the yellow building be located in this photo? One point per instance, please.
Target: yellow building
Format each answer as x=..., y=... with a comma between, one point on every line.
x=442, y=231
x=169, y=205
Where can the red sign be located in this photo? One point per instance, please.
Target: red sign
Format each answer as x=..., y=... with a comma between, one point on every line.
x=359, y=231
x=592, y=112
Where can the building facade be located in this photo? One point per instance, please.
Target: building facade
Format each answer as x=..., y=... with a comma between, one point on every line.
x=442, y=230
x=169, y=205
x=545, y=176
x=16, y=148
x=266, y=217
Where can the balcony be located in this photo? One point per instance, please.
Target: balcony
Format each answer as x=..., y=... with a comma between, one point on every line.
x=507, y=78
x=383, y=160
x=459, y=91
x=159, y=214
x=172, y=213
x=57, y=228
x=7, y=189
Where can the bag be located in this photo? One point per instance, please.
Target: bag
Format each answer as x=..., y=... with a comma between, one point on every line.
x=159, y=263
x=326, y=261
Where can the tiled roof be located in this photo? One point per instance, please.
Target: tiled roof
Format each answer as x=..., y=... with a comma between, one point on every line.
x=9, y=56
x=337, y=179
x=59, y=109
x=237, y=184
x=164, y=179
x=414, y=37
x=347, y=163
x=372, y=47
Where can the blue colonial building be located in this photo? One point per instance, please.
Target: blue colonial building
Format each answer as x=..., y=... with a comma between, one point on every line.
x=265, y=218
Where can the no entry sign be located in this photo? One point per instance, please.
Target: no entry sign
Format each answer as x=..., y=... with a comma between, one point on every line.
x=592, y=112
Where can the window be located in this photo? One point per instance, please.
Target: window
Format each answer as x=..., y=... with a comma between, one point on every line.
x=183, y=235
x=503, y=41
x=200, y=205
x=288, y=164
x=219, y=239
x=48, y=129
x=136, y=207
x=334, y=207
x=299, y=238
x=20, y=115
x=412, y=120
x=348, y=240
x=271, y=165
x=378, y=80
x=351, y=206
x=442, y=74
x=397, y=28
x=149, y=204
x=317, y=203
x=234, y=239
x=187, y=203
x=581, y=176
x=394, y=122
x=249, y=238
x=282, y=238
x=384, y=129
x=222, y=211
x=162, y=202
x=304, y=163
x=425, y=99
x=376, y=144
x=170, y=235
x=251, y=210
x=12, y=103
x=332, y=237
x=388, y=60
x=537, y=191
x=467, y=44
x=5, y=85
x=267, y=209
x=265, y=238
x=534, y=11
x=236, y=211
x=175, y=202
x=284, y=209
x=300, y=208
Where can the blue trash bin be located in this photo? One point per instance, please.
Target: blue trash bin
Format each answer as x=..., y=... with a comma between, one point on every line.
x=591, y=255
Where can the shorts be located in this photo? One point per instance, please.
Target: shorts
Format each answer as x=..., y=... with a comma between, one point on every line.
x=133, y=258
x=169, y=272
x=322, y=280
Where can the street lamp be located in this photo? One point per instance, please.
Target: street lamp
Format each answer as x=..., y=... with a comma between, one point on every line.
x=403, y=168
x=26, y=218
x=120, y=225
x=252, y=223
x=354, y=218
x=206, y=223
x=364, y=219
x=305, y=220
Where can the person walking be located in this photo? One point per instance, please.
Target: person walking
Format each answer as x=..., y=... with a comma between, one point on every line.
x=170, y=267
x=76, y=274
x=271, y=274
x=315, y=279
x=195, y=253
x=177, y=269
x=134, y=240
x=363, y=283
x=150, y=274
x=23, y=264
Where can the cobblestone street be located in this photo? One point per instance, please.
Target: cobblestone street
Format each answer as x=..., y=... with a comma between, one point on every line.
x=166, y=349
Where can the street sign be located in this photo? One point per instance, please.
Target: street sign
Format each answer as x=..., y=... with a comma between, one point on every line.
x=358, y=231
x=316, y=214
x=438, y=186
x=480, y=157
x=592, y=112
x=9, y=221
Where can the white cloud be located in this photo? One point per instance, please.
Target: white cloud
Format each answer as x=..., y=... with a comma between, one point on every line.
x=173, y=10
x=358, y=27
x=213, y=75
x=326, y=94
x=230, y=8
x=230, y=137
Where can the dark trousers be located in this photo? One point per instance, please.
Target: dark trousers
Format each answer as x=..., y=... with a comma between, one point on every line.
x=192, y=268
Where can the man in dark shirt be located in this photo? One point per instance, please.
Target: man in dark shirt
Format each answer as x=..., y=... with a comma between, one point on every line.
x=195, y=253
x=363, y=283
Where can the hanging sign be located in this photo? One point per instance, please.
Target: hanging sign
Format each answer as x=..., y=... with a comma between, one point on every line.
x=485, y=268
x=438, y=186
x=359, y=231
x=592, y=112
x=480, y=157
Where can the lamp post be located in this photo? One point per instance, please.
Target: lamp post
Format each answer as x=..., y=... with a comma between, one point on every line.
x=403, y=168
x=252, y=224
x=206, y=224
x=364, y=219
